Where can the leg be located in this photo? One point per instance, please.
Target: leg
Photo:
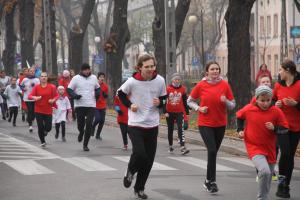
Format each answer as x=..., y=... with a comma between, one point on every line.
x=88, y=127
x=30, y=113
x=48, y=123
x=208, y=136
x=124, y=131
x=40, y=124
x=101, y=122
x=11, y=111
x=57, y=125
x=15, y=114
x=63, y=129
x=81, y=114
x=179, y=121
x=294, y=140
x=170, y=123
x=284, y=146
x=264, y=176
x=150, y=144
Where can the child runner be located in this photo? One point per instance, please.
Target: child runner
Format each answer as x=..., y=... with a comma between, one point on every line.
x=287, y=96
x=175, y=108
x=61, y=113
x=215, y=95
x=13, y=93
x=262, y=122
x=44, y=95
x=122, y=120
x=146, y=91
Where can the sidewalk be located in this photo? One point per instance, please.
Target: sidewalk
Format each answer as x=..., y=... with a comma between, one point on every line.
x=229, y=145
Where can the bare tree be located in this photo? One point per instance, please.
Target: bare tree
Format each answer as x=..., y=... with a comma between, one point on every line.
x=237, y=22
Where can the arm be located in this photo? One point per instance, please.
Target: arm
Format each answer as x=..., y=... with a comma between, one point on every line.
x=280, y=130
x=162, y=101
x=73, y=94
x=240, y=124
x=123, y=98
x=186, y=107
x=192, y=103
x=97, y=93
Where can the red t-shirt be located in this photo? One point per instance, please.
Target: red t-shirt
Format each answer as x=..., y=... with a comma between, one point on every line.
x=43, y=106
x=291, y=112
x=174, y=101
x=101, y=103
x=258, y=139
x=124, y=117
x=64, y=82
x=210, y=96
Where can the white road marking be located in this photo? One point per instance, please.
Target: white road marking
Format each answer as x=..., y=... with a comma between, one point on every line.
x=88, y=164
x=28, y=167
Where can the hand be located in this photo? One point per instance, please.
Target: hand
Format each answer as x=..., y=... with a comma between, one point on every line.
x=133, y=108
x=51, y=101
x=269, y=126
x=241, y=134
x=223, y=99
x=278, y=103
x=166, y=114
x=203, y=109
x=156, y=101
x=37, y=98
x=289, y=101
x=120, y=112
x=77, y=96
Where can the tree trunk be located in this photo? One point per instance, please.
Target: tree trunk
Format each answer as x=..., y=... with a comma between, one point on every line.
x=158, y=28
x=10, y=43
x=77, y=34
x=114, y=59
x=85, y=49
x=239, y=70
x=53, y=38
x=26, y=20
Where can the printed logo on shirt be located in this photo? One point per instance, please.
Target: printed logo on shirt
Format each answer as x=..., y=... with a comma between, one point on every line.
x=174, y=98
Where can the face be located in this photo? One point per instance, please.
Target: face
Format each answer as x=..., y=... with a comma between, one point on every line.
x=61, y=91
x=213, y=71
x=2, y=74
x=13, y=81
x=176, y=81
x=72, y=73
x=44, y=77
x=101, y=79
x=25, y=72
x=265, y=81
x=264, y=101
x=86, y=72
x=31, y=72
x=264, y=67
x=283, y=73
x=148, y=69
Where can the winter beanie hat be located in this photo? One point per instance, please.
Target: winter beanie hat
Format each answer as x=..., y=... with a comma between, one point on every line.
x=66, y=73
x=175, y=76
x=262, y=90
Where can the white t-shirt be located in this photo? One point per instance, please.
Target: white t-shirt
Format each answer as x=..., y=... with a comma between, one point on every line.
x=28, y=84
x=141, y=93
x=4, y=81
x=84, y=86
x=13, y=95
x=60, y=113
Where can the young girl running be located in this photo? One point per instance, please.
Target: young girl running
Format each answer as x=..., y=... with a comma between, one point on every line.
x=44, y=95
x=122, y=119
x=262, y=122
x=215, y=95
x=287, y=97
x=61, y=112
x=13, y=93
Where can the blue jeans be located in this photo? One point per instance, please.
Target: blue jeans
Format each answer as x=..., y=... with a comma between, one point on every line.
x=99, y=119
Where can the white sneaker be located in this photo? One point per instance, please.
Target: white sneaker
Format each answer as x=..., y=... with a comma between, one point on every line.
x=43, y=145
x=30, y=129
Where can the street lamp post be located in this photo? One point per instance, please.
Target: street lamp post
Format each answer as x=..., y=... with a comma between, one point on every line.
x=97, y=40
x=47, y=36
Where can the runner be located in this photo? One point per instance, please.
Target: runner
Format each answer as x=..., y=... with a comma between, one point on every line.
x=146, y=91
x=13, y=95
x=44, y=95
x=84, y=89
x=287, y=96
x=27, y=85
x=4, y=82
x=215, y=95
x=175, y=108
x=100, y=107
x=61, y=113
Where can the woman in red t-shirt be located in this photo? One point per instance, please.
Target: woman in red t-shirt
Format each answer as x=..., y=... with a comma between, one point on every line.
x=215, y=95
x=44, y=95
x=263, y=70
x=122, y=120
x=262, y=122
x=287, y=97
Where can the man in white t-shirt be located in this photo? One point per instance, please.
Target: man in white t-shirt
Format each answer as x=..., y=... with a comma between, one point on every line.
x=84, y=89
x=4, y=82
x=143, y=94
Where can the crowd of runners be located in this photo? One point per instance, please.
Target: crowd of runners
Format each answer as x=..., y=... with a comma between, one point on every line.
x=269, y=124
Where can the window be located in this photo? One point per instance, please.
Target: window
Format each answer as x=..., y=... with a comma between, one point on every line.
x=268, y=26
x=269, y=61
x=275, y=25
x=262, y=26
x=276, y=64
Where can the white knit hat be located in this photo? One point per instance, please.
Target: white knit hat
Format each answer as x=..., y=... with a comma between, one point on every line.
x=60, y=87
x=66, y=73
x=175, y=76
x=262, y=90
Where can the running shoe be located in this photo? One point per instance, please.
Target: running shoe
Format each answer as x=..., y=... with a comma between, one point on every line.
x=128, y=178
x=125, y=148
x=30, y=129
x=171, y=149
x=210, y=187
x=140, y=194
x=85, y=148
x=184, y=150
x=43, y=145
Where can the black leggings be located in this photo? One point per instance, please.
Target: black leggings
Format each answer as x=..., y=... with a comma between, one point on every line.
x=170, y=121
x=288, y=145
x=124, y=131
x=63, y=128
x=44, y=123
x=30, y=112
x=13, y=113
x=212, y=137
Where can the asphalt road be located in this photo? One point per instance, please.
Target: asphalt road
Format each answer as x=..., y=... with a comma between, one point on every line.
x=62, y=171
